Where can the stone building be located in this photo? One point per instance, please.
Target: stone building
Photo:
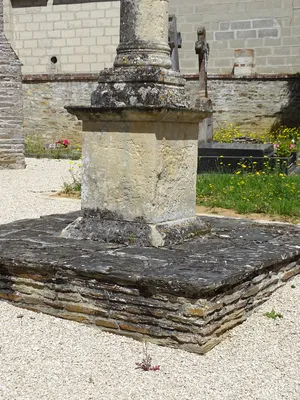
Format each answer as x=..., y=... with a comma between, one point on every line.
x=253, y=63
x=11, y=105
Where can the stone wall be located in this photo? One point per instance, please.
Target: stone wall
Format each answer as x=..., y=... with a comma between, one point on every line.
x=254, y=104
x=44, y=102
x=269, y=27
x=11, y=105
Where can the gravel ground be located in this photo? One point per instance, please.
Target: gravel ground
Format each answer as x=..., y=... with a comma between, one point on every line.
x=44, y=358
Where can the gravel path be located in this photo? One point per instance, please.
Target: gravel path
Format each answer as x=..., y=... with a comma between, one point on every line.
x=44, y=358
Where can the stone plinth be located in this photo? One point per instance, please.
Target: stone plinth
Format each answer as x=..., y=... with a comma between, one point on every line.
x=139, y=175
x=187, y=296
x=142, y=74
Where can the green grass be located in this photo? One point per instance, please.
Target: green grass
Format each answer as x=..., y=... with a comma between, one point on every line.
x=273, y=194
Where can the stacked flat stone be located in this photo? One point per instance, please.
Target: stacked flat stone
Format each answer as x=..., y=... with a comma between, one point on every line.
x=11, y=105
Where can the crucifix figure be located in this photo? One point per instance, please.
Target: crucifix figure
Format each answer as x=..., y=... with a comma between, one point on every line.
x=175, y=42
x=202, y=49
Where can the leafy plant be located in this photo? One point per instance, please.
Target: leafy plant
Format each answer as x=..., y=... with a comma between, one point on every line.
x=285, y=140
x=273, y=314
x=73, y=188
x=146, y=364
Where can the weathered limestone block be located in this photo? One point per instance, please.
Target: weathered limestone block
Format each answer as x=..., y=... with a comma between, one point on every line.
x=139, y=174
x=11, y=105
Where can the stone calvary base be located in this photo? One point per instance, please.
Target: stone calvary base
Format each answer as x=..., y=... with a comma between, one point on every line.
x=202, y=276
x=187, y=295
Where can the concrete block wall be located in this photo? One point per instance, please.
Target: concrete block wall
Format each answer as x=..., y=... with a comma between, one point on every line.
x=62, y=36
x=82, y=35
x=270, y=27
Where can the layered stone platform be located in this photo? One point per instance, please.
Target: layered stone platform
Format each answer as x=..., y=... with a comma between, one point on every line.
x=187, y=295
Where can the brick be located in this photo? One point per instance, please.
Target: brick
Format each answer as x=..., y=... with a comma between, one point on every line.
x=59, y=25
x=111, y=13
x=68, y=16
x=263, y=33
x=32, y=26
x=68, y=33
x=223, y=62
x=224, y=26
x=282, y=51
x=89, y=58
x=240, y=25
x=39, y=17
x=95, y=32
x=89, y=23
x=88, y=41
x=237, y=44
x=275, y=60
x=104, y=22
x=83, y=15
x=39, y=35
x=224, y=35
x=248, y=34
x=272, y=42
x=263, y=23
x=53, y=17
x=112, y=31
x=263, y=51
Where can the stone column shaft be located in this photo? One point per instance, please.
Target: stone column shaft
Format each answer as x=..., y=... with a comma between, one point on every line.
x=143, y=34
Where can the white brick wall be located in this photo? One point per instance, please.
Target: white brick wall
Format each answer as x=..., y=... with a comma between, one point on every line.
x=270, y=27
x=82, y=36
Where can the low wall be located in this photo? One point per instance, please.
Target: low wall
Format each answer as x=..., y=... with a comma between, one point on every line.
x=44, y=102
x=255, y=103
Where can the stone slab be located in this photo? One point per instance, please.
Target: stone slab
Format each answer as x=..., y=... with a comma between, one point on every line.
x=186, y=296
x=235, y=149
x=230, y=164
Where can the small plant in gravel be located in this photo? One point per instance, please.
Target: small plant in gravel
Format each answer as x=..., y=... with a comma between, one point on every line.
x=73, y=188
x=146, y=365
x=273, y=314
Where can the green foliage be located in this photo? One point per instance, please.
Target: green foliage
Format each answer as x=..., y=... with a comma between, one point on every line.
x=35, y=146
x=73, y=187
x=273, y=314
x=259, y=192
x=284, y=139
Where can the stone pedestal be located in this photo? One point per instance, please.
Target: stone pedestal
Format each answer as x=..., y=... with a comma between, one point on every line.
x=140, y=141
x=139, y=175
